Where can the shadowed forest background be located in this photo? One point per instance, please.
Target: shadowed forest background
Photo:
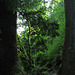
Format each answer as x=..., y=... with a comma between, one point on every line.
x=38, y=49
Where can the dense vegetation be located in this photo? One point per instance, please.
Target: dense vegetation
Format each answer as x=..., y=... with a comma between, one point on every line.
x=40, y=46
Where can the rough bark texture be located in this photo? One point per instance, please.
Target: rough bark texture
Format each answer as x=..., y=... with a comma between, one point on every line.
x=68, y=67
x=7, y=40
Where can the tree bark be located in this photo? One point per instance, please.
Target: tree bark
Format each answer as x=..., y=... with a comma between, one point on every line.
x=68, y=64
x=8, y=51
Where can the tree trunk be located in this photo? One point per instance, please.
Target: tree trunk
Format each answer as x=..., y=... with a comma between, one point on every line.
x=8, y=51
x=29, y=43
x=68, y=66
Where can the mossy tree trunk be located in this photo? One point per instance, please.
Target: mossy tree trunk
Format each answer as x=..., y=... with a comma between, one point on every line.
x=8, y=51
x=68, y=67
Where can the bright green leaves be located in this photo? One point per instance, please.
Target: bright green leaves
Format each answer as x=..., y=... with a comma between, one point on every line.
x=60, y=1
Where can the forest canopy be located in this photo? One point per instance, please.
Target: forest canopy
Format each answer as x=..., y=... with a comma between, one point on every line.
x=41, y=43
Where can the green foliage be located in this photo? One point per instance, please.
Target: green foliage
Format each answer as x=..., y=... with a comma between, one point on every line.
x=23, y=6
x=55, y=52
x=46, y=34
x=55, y=49
x=40, y=58
x=22, y=55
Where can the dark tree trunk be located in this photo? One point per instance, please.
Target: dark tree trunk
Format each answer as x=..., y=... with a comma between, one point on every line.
x=68, y=67
x=8, y=51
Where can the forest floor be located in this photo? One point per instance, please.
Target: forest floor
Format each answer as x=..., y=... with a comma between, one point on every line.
x=53, y=73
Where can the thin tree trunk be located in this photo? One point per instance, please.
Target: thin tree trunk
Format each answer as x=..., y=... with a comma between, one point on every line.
x=29, y=42
x=8, y=51
x=68, y=67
